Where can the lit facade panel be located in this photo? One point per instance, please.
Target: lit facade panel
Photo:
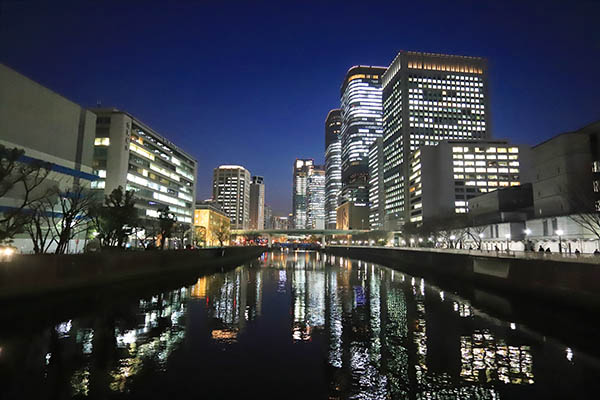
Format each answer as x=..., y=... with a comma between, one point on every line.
x=376, y=190
x=257, y=203
x=333, y=166
x=428, y=98
x=315, y=192
x=361, y=114
x=301, y=171
x=132, y=155
x=443, y=178
x=231, y=190
x=211, y=220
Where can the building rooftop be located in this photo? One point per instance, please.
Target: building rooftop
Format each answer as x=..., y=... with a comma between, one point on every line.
x=113, y=110
x=589, y=128
x=360, y=69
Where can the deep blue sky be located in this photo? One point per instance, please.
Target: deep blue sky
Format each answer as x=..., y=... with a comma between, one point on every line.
x=250, y=82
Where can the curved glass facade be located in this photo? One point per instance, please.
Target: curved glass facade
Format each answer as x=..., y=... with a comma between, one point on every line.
x=362, y=123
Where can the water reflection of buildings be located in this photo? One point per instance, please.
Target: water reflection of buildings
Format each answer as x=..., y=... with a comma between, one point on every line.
x=485, y=358
x=377, y=326
x=232, y=299
x=388, y=334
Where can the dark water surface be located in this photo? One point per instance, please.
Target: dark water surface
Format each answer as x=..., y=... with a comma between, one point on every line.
x=297, y=325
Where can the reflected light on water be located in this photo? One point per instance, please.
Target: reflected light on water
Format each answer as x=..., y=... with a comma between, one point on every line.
x=372, y=332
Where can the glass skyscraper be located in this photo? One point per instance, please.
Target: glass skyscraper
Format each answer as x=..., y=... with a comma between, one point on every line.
x=361, y=112
x=302, y=168
x=333, y=165
x=428, y=98
x=315, y=192
x=376, y=192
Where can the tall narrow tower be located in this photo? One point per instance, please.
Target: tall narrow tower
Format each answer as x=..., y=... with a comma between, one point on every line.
x=302, y=168
x=362, y=116
x=333, y=165
x=257, y=203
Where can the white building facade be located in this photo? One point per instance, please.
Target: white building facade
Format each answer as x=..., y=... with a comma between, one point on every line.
x=130, y=154
x=231, y=189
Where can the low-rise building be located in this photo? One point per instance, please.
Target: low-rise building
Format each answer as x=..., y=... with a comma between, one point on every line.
x=567, y=172
x=352, y=216
x=513, y=203
x=445, y=177
x=50, y=129
x=210, y=221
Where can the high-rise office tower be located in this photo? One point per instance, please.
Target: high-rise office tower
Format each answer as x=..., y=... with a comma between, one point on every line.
x=257, y=203
x=427, y=98
x=302, y=168
x=361, y=112
x=315, y=194
x=268, y=217
x=376, y=192
x=333, y=165
x=231, y=189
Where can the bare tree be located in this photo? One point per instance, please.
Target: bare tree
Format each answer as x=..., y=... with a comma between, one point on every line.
x=200, y=236
x=147, y=234
x=38, y=227
x=71, y=215
x=475, y=233
x=20, y=177
x=584, y=202
x=222, y=233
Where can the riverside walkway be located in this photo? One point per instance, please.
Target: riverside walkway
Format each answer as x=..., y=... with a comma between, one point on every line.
x=526, y=255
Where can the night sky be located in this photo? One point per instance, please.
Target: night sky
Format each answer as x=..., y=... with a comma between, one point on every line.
x=251, y=82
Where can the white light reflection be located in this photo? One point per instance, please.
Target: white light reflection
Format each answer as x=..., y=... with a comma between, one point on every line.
x=569, y=354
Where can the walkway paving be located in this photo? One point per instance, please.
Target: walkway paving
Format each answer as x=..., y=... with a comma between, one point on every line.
x=532, y=255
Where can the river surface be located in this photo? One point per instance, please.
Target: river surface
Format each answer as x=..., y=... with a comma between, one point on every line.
x=286, y=326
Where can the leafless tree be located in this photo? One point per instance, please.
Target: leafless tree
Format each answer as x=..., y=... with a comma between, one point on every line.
x=584, y=201
x=222, y=233
x=38, y=227
x=21, y=178
x=74, y=207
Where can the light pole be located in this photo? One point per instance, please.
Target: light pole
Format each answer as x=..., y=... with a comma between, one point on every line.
x=507, y=236
x=559, y=232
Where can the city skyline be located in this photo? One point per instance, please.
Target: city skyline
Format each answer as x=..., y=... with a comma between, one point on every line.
x=171, y=93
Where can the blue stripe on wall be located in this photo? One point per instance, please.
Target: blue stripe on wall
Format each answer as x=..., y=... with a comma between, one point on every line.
x=60, y=168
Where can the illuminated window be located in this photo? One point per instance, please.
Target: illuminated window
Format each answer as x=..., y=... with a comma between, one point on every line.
x=102, y=141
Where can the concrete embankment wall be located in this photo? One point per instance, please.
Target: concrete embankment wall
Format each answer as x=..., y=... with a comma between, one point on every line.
x=564, y=282
x=34, y=275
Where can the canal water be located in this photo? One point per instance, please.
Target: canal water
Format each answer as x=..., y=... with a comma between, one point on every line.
x=286, y=326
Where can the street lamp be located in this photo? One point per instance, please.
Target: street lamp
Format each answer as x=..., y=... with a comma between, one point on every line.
x=559, y=232
x=507, y=236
